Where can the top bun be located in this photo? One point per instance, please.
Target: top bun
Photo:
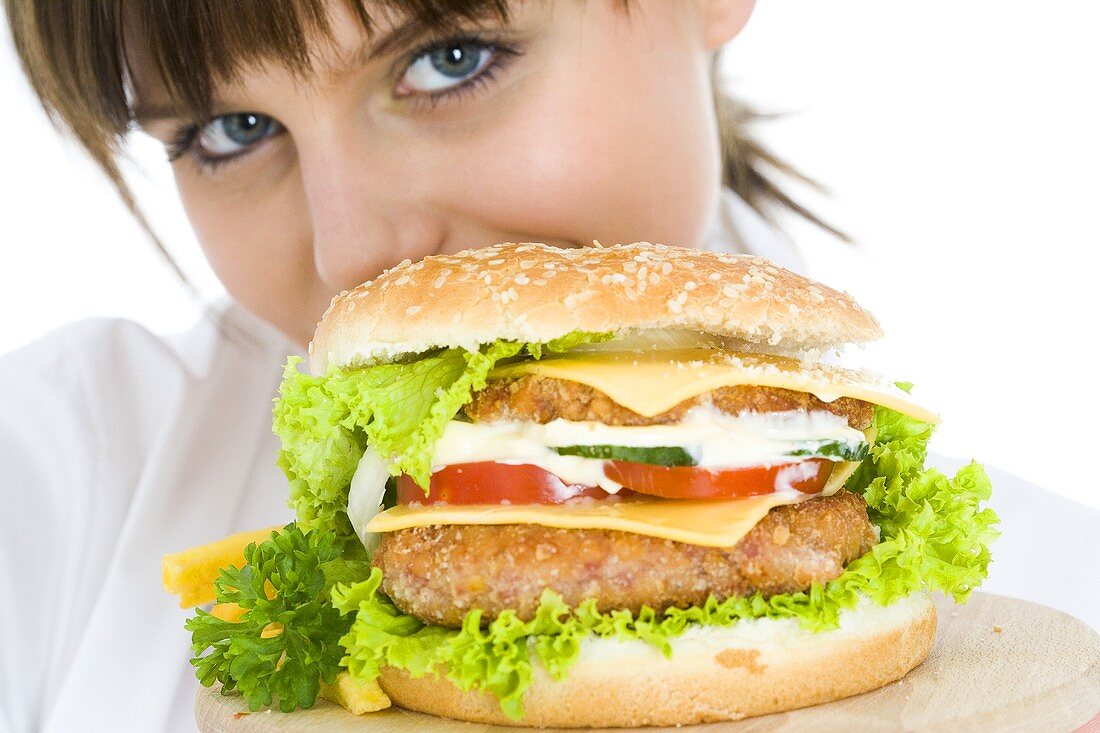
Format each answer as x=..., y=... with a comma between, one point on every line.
x=536, y=293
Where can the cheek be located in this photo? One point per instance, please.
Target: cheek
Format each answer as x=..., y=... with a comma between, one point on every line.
x=258, y=244
x=611, y=146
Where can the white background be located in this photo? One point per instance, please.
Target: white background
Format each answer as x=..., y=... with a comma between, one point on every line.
x=959, y=140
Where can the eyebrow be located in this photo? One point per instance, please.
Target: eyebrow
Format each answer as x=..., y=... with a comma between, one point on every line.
x=144, y=114
x=394, y=39
x=404, y=35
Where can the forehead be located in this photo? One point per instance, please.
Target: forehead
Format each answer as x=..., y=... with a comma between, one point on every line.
x=188, y=47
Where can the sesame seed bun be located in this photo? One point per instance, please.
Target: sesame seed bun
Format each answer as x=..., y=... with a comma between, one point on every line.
x=751, y=668
x=536, y=293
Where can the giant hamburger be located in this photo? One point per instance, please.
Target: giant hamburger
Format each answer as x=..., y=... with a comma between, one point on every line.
x=609, y=487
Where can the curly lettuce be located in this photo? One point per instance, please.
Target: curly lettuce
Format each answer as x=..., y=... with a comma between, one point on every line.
x=326, y=422
x=934, y=536
x=496, y=659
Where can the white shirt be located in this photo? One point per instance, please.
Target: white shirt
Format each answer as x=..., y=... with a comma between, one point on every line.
x=118, y=446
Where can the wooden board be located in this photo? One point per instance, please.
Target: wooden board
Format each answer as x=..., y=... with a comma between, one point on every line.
x=998, y=664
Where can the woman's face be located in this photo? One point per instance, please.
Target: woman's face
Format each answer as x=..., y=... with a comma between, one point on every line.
x=576, y=121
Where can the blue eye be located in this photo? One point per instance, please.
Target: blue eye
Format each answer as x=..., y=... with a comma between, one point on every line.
x=231, y=134
x=446, y=66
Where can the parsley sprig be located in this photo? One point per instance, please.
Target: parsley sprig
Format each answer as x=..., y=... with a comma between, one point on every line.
x=287, y=640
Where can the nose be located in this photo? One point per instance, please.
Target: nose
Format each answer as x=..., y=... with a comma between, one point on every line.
x=366, y=214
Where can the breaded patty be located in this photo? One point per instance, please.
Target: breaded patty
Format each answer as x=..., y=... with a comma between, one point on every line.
x=542, y=399
x=439, y=573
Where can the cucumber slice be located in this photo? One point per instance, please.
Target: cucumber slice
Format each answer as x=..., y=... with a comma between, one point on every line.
x=839, y=450
x=662, y=456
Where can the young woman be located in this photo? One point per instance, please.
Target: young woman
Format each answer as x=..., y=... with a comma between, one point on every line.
x=314, y=144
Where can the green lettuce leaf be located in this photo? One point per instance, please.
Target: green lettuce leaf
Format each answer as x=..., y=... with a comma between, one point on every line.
x=934, y=536
x=326, y=422
x=495, y=659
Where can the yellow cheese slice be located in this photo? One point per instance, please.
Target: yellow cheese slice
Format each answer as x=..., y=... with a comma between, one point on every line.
x=712, y=523
x=843, y=470
x=653, y=382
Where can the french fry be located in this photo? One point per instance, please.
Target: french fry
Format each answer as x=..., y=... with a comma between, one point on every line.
x=190, y=574
x=227, y=612
x=355, y=696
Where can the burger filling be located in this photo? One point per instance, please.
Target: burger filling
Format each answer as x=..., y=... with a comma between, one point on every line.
x=545, y=441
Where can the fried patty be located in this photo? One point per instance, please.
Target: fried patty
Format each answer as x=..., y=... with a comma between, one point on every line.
x=541, y=399
x=439, y=573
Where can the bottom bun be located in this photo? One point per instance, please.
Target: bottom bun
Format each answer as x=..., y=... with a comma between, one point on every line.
x=715, y=673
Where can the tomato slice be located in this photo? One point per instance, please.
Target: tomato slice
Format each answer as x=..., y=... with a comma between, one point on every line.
x=487, y=482
x=689, y=482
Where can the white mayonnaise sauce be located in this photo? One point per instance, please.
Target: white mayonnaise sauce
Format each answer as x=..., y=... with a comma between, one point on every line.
x=712, y=438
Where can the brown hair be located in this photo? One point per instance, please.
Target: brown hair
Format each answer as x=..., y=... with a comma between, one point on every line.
x=73, y=53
